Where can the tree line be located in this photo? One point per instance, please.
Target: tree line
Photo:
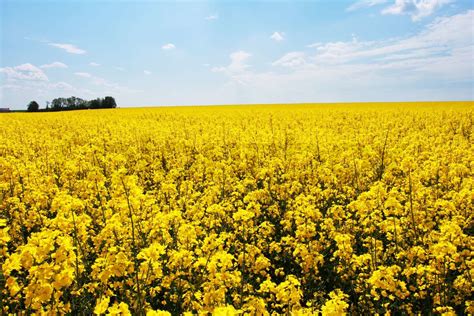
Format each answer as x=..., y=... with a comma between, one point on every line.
x=73, y=103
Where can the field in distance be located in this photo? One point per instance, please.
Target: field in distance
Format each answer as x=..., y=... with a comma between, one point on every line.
x=265, y=209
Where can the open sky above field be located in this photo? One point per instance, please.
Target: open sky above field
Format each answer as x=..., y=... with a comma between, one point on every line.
x=221, y=52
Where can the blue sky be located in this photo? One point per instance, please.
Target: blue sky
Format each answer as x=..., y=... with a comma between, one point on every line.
x=226, y=52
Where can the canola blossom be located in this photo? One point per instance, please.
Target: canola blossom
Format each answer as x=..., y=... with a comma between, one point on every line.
x=239, y=210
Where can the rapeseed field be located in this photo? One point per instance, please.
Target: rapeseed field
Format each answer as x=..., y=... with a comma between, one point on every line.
x=239, y=210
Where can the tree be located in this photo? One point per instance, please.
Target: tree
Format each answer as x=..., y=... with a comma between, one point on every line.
x=75, y=103
x=95, y=104
x=71, y=103
x=109, y=103
x=81, y=103
x=58, y=104
x=33, y=106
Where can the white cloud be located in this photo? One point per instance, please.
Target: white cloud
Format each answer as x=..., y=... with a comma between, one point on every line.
x=212, y=17
x=24, y=72
x=417, y=9
x=39, y=40
x=69, y=48
x=22, y=89
x=361, y=4
x=83, y=74
x=93, y=64
x=61, y=86
x=438, y=38
x=237, y=63
x=98, y=81
x=435, y=63
x=120, y=68
x=278, y=36
x=147, y=72
x=168, y=46
x=101, y=82
x=28, y=82
x=293, y=59
x=55, y=64
x=317, y=44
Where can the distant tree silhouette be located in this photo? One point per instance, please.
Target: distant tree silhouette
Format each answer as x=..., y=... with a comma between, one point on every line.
x=58, y=104
x=109, y=103
x=95, y=104
x=75, y=103
x=33, y=106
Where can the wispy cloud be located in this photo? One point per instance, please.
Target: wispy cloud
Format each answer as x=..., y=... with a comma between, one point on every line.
x=147, y=72
x=41, y=87
x=83, y=74
x=69, y=48
x=101, y=82
x=168, y=46
x=55, y=64
x=212, y=17
x=93, y=64
x=437, y=56
x=26, y=71
x=441, y=39
x=416, y=9
x=361, y=4
x=278, y=36
x=39, y=40
x=237, y=63
x=28, y=82
x=293, y=59
x=61, y=86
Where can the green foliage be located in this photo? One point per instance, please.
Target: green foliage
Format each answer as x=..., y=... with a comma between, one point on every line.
x=74, y=103
x=33, y=106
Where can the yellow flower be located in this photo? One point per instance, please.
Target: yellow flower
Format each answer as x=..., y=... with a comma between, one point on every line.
x=64, y=279
x=226, y=311
x=13, y=286
x=151, y=312
x=243, y=215
x=102, y=305
x=336, y=305
x=238, y=210
x=43, y=292
x=119, y=309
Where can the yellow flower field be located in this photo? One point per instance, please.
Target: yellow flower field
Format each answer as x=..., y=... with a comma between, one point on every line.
x=255, y=210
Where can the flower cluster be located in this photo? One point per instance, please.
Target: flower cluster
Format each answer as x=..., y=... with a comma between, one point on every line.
x=259, y=210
